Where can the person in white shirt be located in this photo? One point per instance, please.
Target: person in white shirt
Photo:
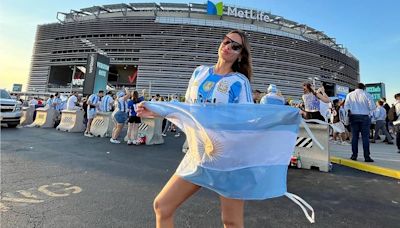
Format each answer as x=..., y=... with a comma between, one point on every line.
x=73, y=101
x=359, y=104
x=380, y=122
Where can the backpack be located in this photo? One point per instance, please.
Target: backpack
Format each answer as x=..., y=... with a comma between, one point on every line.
x=392, y=116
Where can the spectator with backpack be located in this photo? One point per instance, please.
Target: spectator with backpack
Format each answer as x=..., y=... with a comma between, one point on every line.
x=393, y=115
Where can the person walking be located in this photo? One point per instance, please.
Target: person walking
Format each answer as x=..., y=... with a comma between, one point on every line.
x=225, y=82
x=359, y=104
x=380, y=122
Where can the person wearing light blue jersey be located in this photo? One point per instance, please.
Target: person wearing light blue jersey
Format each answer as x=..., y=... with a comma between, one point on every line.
x=93, y=104
x=120, y=114
x=49, y=102
x=272, y=97
x=57, y=102
x=107, y=102
x=225, y=82
x=379, y=114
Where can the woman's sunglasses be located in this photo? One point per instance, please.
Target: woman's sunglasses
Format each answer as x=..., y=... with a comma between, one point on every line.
x=234, y=45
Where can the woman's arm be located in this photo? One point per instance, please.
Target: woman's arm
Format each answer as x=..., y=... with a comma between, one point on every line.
x=322, y=95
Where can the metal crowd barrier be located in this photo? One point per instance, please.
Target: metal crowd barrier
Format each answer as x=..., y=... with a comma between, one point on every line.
x=310, y=154
x=72, y=121
x=45, y=117
x=102, y=124
x=152, y=129
x=27, y=115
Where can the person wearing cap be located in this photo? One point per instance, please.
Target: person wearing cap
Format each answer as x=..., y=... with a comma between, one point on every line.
x=120, y=114
x=272, y=96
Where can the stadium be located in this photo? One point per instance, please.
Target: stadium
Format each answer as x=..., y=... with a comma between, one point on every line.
x=156, y=46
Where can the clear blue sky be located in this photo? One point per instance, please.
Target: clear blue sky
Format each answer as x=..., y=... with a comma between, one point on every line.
x=369, y=29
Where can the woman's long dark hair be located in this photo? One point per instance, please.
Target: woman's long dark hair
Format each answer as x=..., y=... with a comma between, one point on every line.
x=135, y=96
x=243, y=65
x=308, y=86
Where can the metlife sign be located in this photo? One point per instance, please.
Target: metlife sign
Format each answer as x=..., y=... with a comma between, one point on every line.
x=218, y=9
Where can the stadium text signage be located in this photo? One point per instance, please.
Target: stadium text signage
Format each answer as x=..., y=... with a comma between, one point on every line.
x=248, y=14
x=218, y=9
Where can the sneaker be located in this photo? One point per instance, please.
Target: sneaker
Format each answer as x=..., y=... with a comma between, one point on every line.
x=389, y=142
x=129, y=142
x=136, y=142
x=163, y=134
x=114, y=141
x=369, y=160
x=344, y=143
x=87, y=134
x=177, y=135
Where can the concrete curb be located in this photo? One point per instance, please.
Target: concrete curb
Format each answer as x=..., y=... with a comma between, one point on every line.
x=367, y=167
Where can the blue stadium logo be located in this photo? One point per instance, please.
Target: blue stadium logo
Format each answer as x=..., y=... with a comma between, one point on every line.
x=215, y=9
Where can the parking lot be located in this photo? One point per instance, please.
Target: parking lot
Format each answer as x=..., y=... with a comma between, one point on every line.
x=57, y=179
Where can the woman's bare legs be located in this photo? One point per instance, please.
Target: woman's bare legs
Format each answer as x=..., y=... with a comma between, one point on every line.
x=175, y=192
x=232, y=212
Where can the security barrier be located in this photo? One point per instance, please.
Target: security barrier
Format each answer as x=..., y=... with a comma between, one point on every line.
x=102, y=124
x=72, y=121
x=27, y=115
x=45, y=117
x=310, y=154
x=152, y=129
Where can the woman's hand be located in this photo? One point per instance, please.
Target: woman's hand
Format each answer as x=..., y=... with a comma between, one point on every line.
x=142, y=111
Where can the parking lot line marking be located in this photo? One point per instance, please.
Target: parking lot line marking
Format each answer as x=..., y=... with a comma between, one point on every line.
x=20, y=200
x=367, y=167
x=27, y=194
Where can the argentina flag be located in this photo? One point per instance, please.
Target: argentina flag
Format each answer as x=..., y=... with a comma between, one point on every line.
x=240, y=151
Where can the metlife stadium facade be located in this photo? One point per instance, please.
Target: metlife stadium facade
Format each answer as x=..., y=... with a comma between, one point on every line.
x=156, y=46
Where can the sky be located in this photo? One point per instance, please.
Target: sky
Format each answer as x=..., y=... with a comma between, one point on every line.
x=370, y=30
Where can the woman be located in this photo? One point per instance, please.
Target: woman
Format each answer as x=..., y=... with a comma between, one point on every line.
x=134, y=120
x=225, y=82
x=120, y=115
x=311, y=101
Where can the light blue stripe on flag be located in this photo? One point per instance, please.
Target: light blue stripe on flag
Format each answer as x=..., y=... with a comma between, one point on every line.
x=241, y=151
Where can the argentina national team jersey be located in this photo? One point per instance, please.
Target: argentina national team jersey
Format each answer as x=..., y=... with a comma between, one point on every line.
x=207, y=87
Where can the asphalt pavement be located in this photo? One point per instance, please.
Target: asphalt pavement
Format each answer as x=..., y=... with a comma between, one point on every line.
x=57, y=179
